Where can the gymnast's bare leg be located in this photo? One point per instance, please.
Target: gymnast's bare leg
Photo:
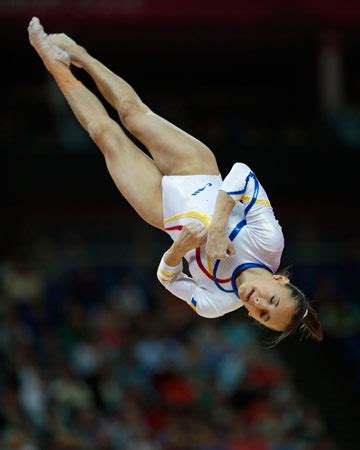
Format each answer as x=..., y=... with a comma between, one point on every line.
x=174, y=151
x=134, y=173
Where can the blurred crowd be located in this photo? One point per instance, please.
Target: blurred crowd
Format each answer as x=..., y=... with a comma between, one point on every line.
x=104, y=358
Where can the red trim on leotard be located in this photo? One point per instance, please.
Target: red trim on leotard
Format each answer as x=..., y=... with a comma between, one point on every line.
x=176, y=227
x=208, y=274
x=200, y=264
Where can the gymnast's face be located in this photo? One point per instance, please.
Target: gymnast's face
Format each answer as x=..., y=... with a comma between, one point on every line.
x=269, y=301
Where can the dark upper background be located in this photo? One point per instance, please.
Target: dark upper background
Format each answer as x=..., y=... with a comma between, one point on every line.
x=248, y=67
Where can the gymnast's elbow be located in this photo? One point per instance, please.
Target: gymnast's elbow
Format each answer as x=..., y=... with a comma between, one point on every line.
x=206, y=312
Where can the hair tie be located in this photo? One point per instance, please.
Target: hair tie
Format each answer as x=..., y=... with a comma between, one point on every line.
x=306, y=312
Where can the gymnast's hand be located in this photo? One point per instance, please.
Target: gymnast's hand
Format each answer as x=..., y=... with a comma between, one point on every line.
x=218, y=245
x=192, y=235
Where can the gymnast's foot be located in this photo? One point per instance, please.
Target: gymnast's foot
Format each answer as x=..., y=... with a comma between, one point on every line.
x=50, y=53
x=75, y=51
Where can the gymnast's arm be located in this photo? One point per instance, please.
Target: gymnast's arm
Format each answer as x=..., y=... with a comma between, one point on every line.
x=242, y=185
x=218, y=245
x=178, y=283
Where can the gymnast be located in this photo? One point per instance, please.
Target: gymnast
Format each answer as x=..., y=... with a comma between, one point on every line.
x=225, y=228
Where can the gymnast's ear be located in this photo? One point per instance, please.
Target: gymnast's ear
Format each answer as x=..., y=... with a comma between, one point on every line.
x=282, y=279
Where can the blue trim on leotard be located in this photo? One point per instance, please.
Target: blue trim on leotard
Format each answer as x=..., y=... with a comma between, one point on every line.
x=235, y=232
x=242, y=267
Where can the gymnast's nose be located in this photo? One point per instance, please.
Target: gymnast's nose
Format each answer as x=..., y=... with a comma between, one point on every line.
x=258, y=302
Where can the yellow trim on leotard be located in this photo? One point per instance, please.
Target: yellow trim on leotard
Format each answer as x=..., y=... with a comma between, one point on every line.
x=204, y=218
x=167, y=274
x=209, y=264
x=247, y=198
x=164, y=281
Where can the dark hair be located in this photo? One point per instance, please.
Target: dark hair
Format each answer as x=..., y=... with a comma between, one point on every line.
x=305, y=319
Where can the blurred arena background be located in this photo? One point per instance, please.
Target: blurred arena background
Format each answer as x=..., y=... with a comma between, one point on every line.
x=94, y=353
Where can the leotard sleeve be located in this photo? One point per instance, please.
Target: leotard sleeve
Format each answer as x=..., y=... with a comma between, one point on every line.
x=186, y=288
x=243, y=186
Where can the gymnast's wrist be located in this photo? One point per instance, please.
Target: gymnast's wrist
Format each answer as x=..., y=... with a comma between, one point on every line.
x=179, y=249
x=174, y=255
x=216, y=230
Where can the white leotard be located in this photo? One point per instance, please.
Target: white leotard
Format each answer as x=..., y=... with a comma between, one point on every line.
x=252, y=227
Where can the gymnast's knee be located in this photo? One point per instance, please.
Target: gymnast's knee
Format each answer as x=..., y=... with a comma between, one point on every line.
x=100, y=130
x=104, y=133
x=131, y=110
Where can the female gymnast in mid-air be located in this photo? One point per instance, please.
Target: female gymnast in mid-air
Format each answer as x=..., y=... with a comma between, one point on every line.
x=226, y=229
